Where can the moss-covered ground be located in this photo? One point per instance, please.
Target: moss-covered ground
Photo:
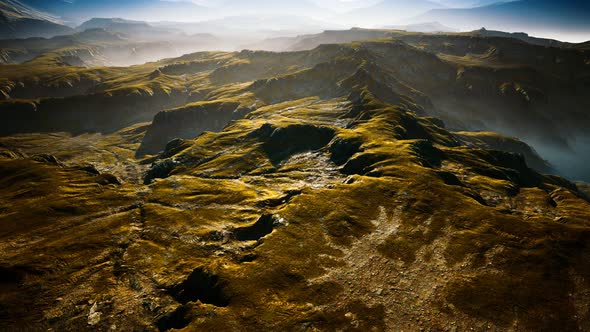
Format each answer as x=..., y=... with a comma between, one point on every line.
x=333, y=203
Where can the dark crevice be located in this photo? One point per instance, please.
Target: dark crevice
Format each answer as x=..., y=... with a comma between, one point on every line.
x=258, y=230
x=247, y=258
x=280, y=143
x=341, y=150
x=449, y=178
x=10, y=275
x=274, y=202
x=177, y=319
x=160, y=170
x=202, y=286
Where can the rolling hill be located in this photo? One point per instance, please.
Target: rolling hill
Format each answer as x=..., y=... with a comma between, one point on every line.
x=139, y=30
x=312, y=190
x=483, y=84
x=172, y=176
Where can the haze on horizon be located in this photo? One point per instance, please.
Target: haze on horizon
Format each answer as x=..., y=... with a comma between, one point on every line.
x=562, y=20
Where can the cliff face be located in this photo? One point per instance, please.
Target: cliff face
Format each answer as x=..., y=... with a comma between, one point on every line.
x=80, y=114
x=188, y=122
x=508, y=144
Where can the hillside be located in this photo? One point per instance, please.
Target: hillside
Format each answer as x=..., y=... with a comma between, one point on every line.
x=18, y=20
x=117, y=45
x=311, y=190
x=481, y=83
x=310, y=41
x=524, y=37
x=112, y=24
x=534, y=16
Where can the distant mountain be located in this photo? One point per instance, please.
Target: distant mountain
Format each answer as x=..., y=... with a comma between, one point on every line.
x=39, y=45
x=387, y=12
x=259, y=7
x=264, y=26
x=426, y=27
x=311, y=41
x=545, y=17
x=106, y=23
x=470, y=3
x=524, y=37
x=18, y=20
x=78, y=11
x=140, y=29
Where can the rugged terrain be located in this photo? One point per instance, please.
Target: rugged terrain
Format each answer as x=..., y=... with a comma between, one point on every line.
x=107, y=42
x=472, y=82
x=308, y=190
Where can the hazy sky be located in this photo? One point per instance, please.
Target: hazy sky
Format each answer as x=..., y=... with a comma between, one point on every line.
x=564, y=19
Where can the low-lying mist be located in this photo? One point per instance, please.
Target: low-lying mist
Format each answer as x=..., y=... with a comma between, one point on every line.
x=572, y=162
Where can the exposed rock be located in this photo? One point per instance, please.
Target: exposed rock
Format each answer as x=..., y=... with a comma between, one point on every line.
x=261, y=228
x=177, y=319
x=47, y=158
x=160, y=169
x=89, y=169
x=107, y=179
x=282, y=142
x=94, y=315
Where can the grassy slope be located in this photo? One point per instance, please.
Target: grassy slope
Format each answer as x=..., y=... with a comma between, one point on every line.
x=324, y=208
x=375, y=228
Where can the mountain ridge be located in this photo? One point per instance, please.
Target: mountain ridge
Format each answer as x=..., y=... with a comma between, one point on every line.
x=533, y=16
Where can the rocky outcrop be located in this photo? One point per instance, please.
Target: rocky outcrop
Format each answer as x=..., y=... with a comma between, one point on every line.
x=188, y=122
x=320, y=80
x=279, y=143
x=507, y=144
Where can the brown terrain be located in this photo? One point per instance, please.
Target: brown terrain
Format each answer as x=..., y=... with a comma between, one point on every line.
x=357, y=186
